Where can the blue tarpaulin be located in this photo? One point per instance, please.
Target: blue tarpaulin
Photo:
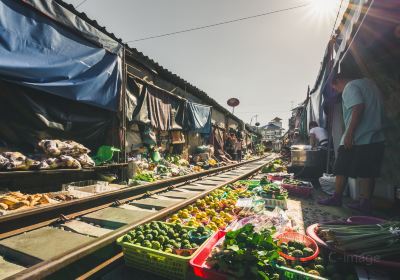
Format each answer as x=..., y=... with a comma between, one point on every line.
x=41, y=53
x=199, y=117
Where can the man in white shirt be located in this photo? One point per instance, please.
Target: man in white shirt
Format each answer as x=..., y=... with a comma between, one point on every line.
x=318, y=135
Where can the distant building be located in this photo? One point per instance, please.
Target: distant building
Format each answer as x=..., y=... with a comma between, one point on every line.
x=277, y=121
x=272, y=131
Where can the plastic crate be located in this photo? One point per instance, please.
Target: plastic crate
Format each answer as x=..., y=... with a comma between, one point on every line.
x=293, y=274
x=202, y=270
x=198, y=262
x=278, y=176
x=250, y=183
x=272, y=203
x=170, y=266
x=302, y=191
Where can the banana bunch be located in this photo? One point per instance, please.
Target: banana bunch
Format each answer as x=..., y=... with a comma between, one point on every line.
x=17, y=200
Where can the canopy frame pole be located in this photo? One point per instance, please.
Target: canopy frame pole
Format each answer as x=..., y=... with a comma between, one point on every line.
x=123, y=109
x=330, y=119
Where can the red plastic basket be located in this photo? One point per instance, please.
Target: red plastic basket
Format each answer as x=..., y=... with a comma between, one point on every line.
x=277, y=176
x=364, y=220
x=302, y=191
x=198, y=262
x=295, y=236
x=358, y=259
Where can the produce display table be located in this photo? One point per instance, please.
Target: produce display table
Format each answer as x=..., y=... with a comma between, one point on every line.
x=302, y=212
x=14, y=174
x=51, y=180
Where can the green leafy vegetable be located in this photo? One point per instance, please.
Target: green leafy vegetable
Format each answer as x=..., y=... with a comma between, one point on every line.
x=146, y=176
x=246, y=254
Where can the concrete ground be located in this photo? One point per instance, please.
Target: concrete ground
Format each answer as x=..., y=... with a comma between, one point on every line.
x=8, y=268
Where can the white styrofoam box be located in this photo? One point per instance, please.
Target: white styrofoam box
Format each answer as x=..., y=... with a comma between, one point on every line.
x=353, y=188
x=382, y=189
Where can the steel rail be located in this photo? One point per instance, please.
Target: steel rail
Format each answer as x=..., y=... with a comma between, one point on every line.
x=30, y=219
x=48, y=267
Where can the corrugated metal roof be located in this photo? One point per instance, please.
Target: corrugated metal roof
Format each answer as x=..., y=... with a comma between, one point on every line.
x=271, y=126
x=163, y=72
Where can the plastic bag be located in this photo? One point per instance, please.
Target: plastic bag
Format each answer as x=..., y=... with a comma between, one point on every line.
x=70, y=162
x=85, y=161
x=265, y=220
x=58, y=147
x=72, y=148
x=32, y=164
x=16, y=161
x=155, y=156
x=44, y=165
x=327, y=182
x=3, y=162
x=51, y=147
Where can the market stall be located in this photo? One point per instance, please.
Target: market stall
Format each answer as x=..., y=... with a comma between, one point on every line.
x=218, y=143
x=35, y=84
x=172, y=134
x=67, y=95
x=252, y=229
x=366, y=45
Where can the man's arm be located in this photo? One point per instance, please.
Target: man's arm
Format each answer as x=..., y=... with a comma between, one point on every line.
x=356, y=115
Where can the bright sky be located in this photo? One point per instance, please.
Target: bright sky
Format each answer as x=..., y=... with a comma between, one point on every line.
x=266, y=62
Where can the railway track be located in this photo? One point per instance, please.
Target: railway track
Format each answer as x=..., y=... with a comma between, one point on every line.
x=77, y=238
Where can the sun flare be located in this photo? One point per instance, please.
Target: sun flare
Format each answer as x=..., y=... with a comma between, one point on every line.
x=324, y=9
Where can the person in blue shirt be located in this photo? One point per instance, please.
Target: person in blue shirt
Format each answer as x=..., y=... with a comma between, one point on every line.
x=362, y=145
